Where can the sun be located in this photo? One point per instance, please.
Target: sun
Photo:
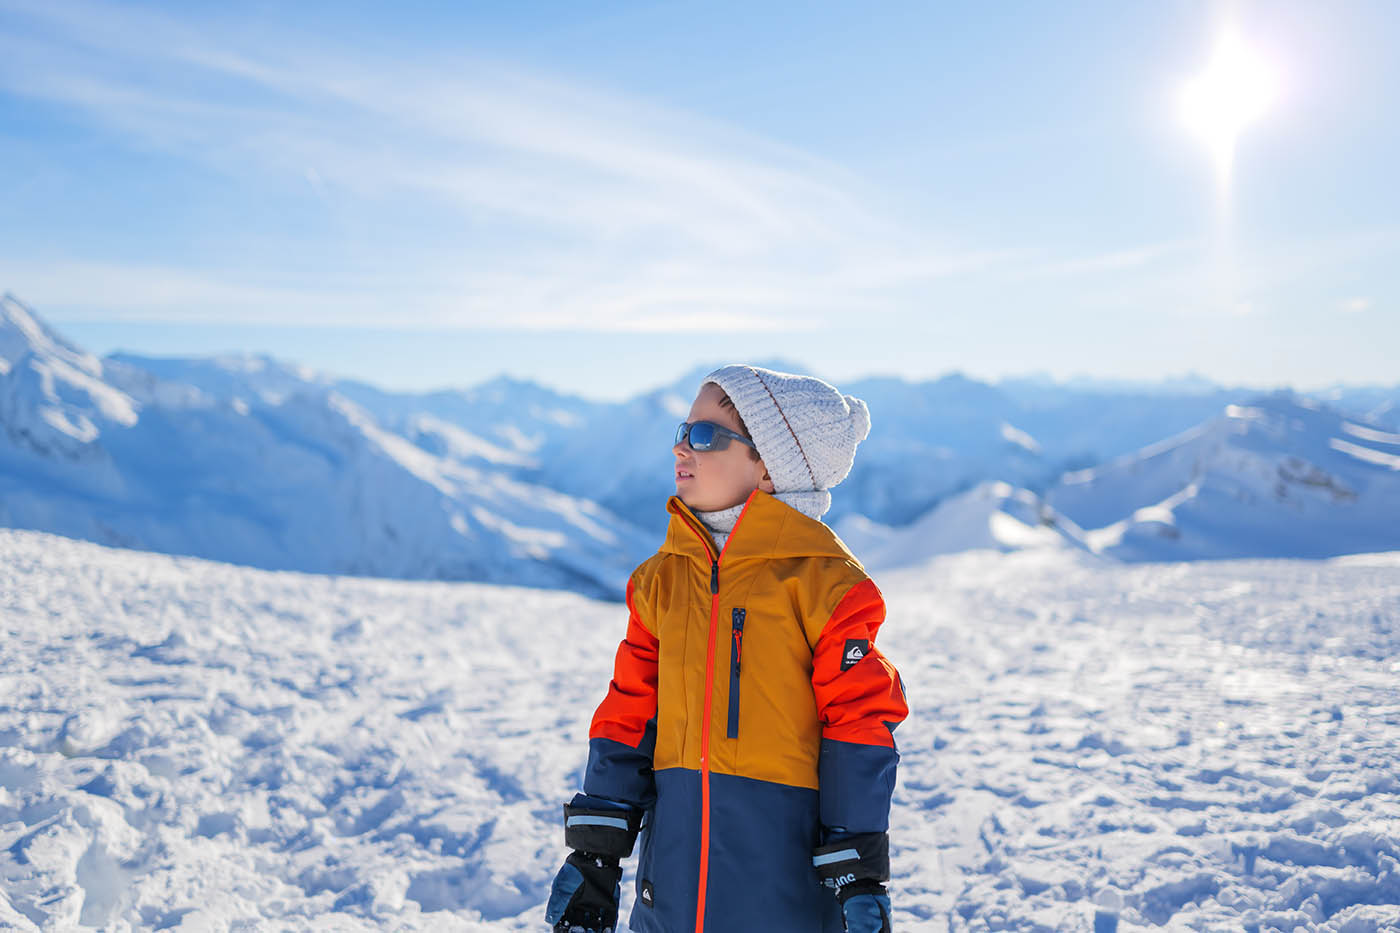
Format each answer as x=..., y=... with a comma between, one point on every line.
x=1236, y=88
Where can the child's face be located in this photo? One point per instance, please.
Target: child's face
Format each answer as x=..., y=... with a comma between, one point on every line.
x=710, y=480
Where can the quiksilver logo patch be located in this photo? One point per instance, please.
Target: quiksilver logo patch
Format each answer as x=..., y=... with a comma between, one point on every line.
x=648, y=895
x=856, y=650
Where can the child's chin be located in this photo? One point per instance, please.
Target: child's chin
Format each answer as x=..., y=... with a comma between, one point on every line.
x=692, y=504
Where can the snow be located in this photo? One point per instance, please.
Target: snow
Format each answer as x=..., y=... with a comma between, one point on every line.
x=992, y=515
x=22, y=331
x=1366, y=454
x=269, y=465
x=1273, y=479
x=1371, y=434
x=193, y=745
x=447, y=440
x=1014, y=435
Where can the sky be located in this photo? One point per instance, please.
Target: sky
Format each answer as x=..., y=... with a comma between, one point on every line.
x=601, y=196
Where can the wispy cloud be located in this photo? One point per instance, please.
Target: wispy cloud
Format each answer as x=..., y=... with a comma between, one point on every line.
x=1118, y=260
x=473, y=194
x=607, y=212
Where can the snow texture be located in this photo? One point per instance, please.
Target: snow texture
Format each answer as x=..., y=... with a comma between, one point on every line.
x=193, y=745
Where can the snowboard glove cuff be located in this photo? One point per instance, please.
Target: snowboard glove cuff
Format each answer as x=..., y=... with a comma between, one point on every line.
x=852, y=859
x=848, y=891
x=601, y=828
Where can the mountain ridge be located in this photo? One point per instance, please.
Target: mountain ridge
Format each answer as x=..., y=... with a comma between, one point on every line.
x=275, y=475
x=260, y=461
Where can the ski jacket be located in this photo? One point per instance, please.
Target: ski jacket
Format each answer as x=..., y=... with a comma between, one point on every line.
x=751, y=717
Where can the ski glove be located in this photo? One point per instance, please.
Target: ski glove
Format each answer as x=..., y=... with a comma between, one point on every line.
x=865, y=907
x=585, y=895
x=587, y=890
x=857, y=866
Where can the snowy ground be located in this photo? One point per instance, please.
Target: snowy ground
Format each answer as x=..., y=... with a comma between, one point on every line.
x=189, y=745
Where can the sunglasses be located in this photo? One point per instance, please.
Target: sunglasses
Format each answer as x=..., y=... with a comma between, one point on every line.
x=706, y=435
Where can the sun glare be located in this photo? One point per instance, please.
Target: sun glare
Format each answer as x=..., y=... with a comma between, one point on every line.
x=1236, y=88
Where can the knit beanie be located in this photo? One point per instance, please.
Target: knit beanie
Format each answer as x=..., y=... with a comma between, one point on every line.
x=805, y=430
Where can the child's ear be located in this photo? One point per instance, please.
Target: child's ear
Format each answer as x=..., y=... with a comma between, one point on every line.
x=766, y=484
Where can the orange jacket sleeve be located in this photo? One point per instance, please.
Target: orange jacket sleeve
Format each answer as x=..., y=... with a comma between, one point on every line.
x=860, y=700
x=623, y=733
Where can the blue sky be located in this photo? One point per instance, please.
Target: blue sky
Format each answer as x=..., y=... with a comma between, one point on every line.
x=599, y=196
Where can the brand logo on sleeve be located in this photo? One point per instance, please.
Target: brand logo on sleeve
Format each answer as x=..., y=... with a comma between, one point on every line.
x=648, y=895
x=856, y=650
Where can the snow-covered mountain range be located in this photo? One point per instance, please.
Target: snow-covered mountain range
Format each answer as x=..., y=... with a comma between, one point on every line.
x=992, y=516
x=1284, y=476
x=255, y=461
x=291, y=474
x=1281, y=477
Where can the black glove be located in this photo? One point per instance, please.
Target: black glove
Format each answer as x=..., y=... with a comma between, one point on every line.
x=855, y=867
x=865, y=907
x=585, y=895
x=587, y=889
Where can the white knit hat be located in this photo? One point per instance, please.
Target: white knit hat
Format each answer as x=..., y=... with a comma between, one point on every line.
x=806, y=431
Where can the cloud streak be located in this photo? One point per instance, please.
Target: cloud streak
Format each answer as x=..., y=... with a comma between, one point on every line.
x=608, y=212
x=469, y=194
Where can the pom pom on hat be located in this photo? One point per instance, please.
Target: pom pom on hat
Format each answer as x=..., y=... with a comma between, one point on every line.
x=806, y=431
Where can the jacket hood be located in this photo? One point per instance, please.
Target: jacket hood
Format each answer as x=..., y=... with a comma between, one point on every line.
x=768, y=528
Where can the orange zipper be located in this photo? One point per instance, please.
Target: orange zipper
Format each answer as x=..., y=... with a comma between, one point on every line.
x=709, y=543
x=705, y=750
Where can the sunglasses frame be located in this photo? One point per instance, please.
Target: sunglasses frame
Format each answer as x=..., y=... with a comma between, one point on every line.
x=723, y=435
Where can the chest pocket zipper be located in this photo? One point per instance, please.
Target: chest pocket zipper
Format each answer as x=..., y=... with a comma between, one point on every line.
x=736, y=651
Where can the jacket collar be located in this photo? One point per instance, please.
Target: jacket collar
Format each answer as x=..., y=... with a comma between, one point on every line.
x=768, y=528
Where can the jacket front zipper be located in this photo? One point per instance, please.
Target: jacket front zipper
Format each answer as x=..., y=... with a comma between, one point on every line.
x=710, y=652
x=704, y=879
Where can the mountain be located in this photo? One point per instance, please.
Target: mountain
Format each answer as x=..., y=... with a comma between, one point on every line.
x=1038, y=385
x=990, y=516
x=263, y=466
x=244, y=376
x=1281, y=476
x=263, y=462
x=1377, y=404
x=502, y=422
x=616, y=454
x=931, y=440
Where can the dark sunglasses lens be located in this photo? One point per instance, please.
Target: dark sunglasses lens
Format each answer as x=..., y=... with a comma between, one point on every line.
x=702, y=435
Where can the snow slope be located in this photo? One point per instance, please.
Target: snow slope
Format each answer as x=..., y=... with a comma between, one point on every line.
x=249, y=468
x=193, y=745
x=990, y=516
x=1282, y=476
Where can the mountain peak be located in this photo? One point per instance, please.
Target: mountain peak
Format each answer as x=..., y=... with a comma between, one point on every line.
x=1281, y=475
x=23, y=332
x=507, y=389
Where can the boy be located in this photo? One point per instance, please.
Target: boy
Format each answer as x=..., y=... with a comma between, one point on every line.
x=750, y=717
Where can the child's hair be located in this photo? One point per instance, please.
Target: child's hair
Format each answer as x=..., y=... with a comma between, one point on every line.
x=726, y=402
